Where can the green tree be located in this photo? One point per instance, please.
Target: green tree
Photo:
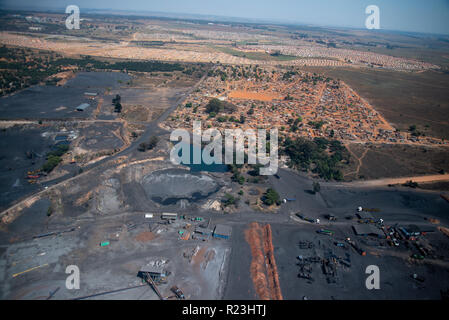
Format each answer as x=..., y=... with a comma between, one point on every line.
x=214, y=105
x=228, y=200
x=271, y=197
x=51, y=163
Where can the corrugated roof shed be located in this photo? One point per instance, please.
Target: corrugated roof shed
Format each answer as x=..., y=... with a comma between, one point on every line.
x=223, y=230
x=364, y=215
x=82, y=107
x=367, y=230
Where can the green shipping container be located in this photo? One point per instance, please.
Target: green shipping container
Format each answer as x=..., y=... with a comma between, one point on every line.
x=105, y=243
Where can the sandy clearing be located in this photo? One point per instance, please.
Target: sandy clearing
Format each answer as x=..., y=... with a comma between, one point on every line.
x=248, y=95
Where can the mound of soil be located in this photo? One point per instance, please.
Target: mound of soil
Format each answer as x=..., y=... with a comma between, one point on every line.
x=263, y=268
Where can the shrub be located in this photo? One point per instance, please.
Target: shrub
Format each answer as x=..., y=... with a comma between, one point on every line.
x=228, y=200
x=271, y=197
x=51, y=163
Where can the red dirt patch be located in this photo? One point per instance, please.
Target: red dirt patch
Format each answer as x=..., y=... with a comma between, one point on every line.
x=248, y=95
x=263, y=265
x=145, y=236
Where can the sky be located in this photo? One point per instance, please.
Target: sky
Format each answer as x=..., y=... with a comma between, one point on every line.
x=427, y=16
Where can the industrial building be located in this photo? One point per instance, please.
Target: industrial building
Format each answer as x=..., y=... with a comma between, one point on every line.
x=368, y=230
x=414, y=230
x=222, y=231
x=82, y=107
x=203, y=231
x=366, y=216
x=169, y=216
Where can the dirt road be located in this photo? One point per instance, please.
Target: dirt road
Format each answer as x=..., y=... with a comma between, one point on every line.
x=387, y=181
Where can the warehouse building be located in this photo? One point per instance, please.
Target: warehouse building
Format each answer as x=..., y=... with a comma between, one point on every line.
x=203, y=231
x=222, y=231
x=82, y=107
x=366, y=216
x=368, y=230
x=414, y=230
x=169, y=216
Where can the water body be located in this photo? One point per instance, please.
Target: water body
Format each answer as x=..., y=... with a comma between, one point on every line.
x=203, y=166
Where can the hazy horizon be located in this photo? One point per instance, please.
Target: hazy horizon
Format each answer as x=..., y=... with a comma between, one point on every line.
x=401, y=15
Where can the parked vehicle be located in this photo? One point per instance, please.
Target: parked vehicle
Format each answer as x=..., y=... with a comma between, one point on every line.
x=179, y=294
x=326, y=232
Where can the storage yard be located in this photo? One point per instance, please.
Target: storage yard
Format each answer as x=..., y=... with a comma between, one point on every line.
x=208, y=254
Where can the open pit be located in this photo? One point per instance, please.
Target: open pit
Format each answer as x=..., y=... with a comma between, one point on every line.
x=169, y=186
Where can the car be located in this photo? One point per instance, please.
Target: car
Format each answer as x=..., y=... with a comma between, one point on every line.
x=396, y=242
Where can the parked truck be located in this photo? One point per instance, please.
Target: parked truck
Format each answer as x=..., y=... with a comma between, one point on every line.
x=325, y=232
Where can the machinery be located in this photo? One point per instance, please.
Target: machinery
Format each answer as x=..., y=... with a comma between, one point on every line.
x=147, y=277
x=179, y=294
x=356, y=247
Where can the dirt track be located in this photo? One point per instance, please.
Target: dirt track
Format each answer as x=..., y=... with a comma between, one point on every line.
x=387, y=181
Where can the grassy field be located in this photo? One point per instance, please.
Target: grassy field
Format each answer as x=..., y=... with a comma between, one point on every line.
x=381, y=161
x=403, y=98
